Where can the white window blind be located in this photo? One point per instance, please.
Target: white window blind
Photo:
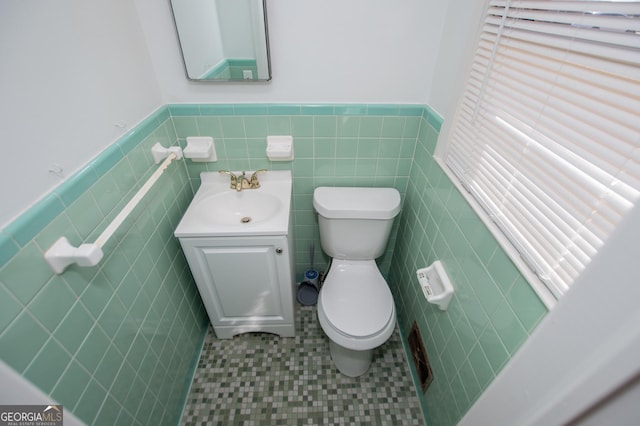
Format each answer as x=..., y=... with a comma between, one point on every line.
x=547, y=134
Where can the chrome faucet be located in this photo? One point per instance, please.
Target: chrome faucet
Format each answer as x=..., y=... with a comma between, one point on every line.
x=241, y=182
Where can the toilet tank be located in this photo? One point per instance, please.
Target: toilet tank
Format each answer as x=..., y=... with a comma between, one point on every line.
x=355, y=223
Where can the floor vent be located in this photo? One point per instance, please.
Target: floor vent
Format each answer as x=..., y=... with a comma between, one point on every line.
x=419, y=355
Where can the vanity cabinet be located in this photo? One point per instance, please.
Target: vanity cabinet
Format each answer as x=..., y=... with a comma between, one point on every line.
x=246, y=282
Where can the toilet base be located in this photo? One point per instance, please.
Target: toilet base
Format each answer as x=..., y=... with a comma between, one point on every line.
x=348, y=361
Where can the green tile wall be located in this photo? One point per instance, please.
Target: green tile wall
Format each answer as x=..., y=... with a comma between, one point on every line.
x=115, y=343
x=334, y=145
x=493, y=310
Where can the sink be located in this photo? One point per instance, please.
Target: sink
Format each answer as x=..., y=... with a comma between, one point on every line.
x=239, y=247
x=232, y=207
x=218, y=210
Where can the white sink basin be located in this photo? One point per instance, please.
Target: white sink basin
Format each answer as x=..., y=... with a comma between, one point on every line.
x=217, y=210
x=231, y=208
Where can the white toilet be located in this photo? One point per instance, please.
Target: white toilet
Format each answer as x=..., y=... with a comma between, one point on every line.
x=355, y=306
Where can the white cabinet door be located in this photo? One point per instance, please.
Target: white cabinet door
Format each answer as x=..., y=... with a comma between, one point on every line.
x=245, y=283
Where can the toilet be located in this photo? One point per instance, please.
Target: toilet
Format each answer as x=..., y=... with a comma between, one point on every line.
x=355, y=306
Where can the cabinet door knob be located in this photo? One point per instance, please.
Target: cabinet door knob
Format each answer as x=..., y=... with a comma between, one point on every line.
x=279, y=250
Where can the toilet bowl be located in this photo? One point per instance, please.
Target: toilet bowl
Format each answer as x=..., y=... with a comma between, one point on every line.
x=355, y=306
x=356, y=312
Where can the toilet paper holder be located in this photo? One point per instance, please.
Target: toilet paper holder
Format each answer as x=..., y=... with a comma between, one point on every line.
x=435, y=284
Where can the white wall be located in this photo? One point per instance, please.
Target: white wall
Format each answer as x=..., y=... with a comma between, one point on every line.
x=70, y=70
x=457, y=45
x=357, y=51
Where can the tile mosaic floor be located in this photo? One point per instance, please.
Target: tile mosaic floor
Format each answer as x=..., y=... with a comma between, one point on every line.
x=262, y=379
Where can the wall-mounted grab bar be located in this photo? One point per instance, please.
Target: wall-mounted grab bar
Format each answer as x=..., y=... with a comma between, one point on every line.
x=62, y=254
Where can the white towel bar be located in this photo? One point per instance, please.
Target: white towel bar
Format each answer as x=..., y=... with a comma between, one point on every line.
x=62, y=254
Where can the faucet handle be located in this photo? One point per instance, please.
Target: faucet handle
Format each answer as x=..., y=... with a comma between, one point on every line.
x=234, y=178
x=254, y=183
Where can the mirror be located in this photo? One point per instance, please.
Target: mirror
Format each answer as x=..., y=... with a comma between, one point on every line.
x=223, y=40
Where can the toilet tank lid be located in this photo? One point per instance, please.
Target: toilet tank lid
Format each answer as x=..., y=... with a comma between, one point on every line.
x=356, y=203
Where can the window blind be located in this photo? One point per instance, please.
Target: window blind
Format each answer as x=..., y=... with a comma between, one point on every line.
x=546, y=136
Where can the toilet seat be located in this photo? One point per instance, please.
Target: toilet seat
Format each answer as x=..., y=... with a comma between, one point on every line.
x=355, y=305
